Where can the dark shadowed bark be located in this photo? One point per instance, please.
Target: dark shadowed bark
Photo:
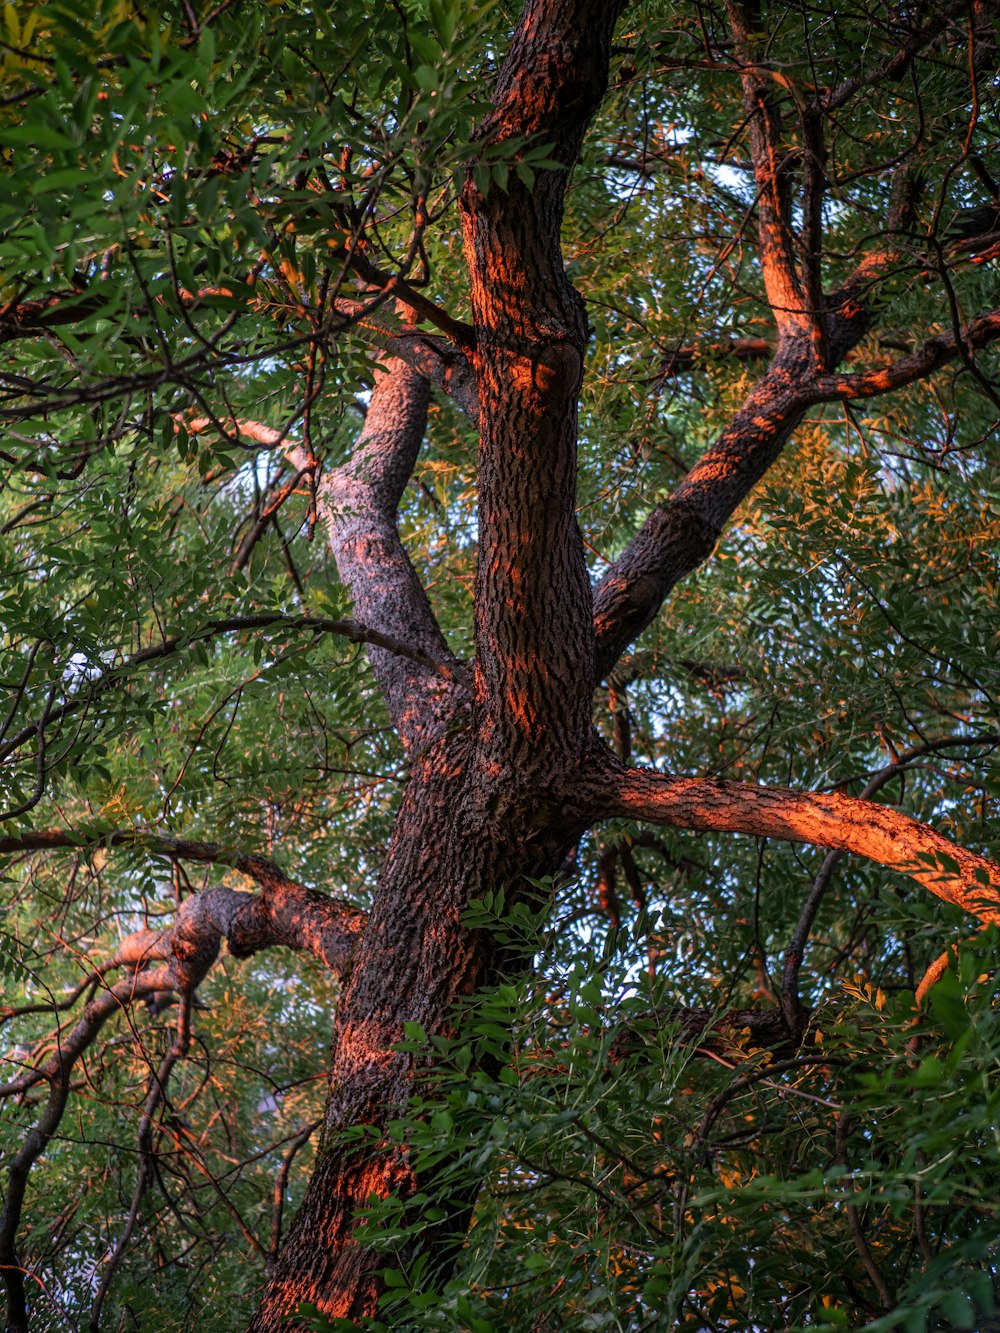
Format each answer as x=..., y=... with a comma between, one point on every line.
x=505, y=768
x=485, y=803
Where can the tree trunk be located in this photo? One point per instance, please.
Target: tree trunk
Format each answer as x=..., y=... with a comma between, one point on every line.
x=457, y=837
x=483, y=807
x=506, y=769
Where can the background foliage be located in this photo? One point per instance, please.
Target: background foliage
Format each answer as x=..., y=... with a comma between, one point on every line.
x=179, y=194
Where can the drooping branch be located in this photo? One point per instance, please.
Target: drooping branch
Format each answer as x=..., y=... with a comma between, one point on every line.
x=285, y=913
x=358, y=504
x=57, y=1072
x=842, y=823
x=156, y=1093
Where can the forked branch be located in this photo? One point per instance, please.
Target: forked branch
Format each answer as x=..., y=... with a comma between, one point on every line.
x=285, y=913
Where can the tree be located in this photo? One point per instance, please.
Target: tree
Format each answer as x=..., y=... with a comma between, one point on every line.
x=591, y=324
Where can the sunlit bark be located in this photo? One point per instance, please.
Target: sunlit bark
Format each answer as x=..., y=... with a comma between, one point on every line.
x=504, y=781
x=480, y=810
x=822, y=819
x=505, y=771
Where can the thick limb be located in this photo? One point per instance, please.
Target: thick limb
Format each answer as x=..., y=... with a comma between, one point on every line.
x=681, y=533
x=842, y=823
x=358, y=504
x=816, y=331
x=285, y=913
x=534, y=642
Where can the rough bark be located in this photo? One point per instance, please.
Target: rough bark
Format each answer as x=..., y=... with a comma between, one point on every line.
x=822, y=819
x=505, y=769
x=358, y=504
x=504, y=778
x=534, y=643
x=457, y=836
x=482, y=807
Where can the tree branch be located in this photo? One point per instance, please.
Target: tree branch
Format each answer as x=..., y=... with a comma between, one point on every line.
x=437, y=360
x=56, y=1071
x=358, y=504
x=156, y=1092
x=347, y=629
x=895, y=66
x=843, y=823
x=286, y=913
x=790, y=1002
x=924, y=360
x=681, y=532
x=770, y=165
x=442, y=361
x=455, y=330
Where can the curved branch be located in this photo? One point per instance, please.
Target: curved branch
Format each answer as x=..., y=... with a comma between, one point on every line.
x=931, y=355
x=440, y=363
x=442, y=360
x=842, y=823
x=358, y=505
x=795, y=952
x=287, y=914
x=347, y=629
x=284, y=914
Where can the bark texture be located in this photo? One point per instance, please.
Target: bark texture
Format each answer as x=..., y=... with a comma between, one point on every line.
x=506, y=769
x=485, y=804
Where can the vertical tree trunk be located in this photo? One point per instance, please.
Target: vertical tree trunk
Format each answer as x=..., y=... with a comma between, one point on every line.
x=485, y=804
x=456, y=838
